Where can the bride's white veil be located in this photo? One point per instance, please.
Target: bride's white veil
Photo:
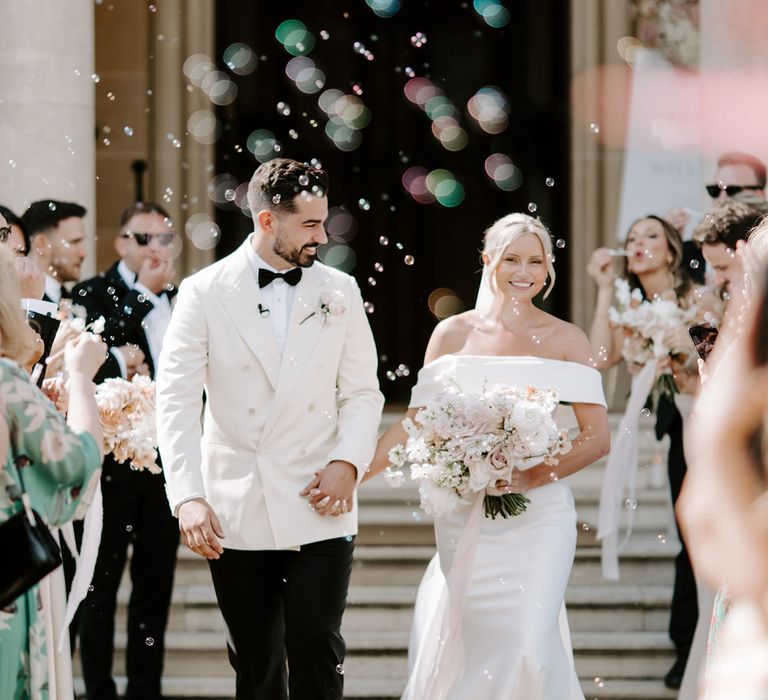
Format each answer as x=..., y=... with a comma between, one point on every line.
x=484, y=293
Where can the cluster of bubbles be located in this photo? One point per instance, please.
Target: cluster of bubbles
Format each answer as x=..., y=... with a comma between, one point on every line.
x=494, y=14
x=203, y=126
x=264, y=145
x=202, y=231
x=240, y=59
x=384, y=8
x=359, y=47
x=444, y=302
x=347, y=116
x=443, y=113
x=504, y=173
x=341, y=227
x=296, y=39
x=307, y=77
x=399, y=371
x=438, y=185
x=489, y=106
x=216, y=84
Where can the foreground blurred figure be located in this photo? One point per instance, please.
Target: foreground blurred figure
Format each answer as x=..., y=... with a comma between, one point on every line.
x=490, y=619
x=723, y=504
x=52, y=460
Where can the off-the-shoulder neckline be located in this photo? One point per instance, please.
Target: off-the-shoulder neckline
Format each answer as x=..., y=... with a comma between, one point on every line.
x=508, y=357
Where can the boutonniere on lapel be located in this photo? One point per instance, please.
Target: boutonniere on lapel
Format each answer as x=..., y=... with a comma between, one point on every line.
x=332, y=306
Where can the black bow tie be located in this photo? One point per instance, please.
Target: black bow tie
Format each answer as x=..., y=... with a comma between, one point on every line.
x=65, y=293
x=291, y=277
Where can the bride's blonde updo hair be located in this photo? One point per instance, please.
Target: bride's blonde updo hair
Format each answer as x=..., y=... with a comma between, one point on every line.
x=508, y=229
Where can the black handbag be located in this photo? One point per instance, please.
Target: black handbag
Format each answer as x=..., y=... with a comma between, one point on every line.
x=29, y=551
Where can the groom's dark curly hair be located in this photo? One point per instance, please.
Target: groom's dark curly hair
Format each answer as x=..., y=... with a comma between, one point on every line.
x=276, y=183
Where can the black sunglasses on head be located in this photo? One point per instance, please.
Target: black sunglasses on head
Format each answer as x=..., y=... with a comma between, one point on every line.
x=731, y=190
x=5, y=233
x=143, y=238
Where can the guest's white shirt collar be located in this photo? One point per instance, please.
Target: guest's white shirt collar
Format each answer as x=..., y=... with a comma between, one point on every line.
x=53, y=289
x=128, y=275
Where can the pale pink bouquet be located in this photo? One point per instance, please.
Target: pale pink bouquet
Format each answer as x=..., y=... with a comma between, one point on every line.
x=127, y=415
x=462, y=444
x=644, y=324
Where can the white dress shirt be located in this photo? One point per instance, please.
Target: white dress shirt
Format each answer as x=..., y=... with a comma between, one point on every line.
x=155, y=323
x=277, y=296
x=53, y=289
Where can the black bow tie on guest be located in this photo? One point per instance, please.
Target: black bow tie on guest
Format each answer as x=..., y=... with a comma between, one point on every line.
x=291, y=277
x=65, y=293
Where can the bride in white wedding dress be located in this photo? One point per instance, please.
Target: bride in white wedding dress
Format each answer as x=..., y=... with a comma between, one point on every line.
x=490, y=621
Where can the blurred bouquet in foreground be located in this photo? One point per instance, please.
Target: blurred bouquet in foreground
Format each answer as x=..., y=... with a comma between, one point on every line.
x=464, y=443
x=127, y=415
x=645, y=324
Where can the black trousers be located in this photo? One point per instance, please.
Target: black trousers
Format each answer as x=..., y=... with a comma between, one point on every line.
x=685, y=606
x=283, y=613
x=136, y=512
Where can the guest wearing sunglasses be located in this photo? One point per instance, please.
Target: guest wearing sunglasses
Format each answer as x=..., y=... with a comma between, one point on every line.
x=738, y=176
x=134, y=296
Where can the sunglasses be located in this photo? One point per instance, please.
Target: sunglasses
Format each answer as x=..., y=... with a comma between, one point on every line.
x=731, y=190
x=5, y=233
x=143, y=238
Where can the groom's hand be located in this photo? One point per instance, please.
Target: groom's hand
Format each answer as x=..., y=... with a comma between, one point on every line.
x=200, y=528
x=332, y=489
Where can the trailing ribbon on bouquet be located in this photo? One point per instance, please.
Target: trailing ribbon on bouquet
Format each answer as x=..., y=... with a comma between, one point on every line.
x=86, y=560
x=621, y=472
x=440, y=656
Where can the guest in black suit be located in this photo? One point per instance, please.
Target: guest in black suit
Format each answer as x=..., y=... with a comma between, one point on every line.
x=57, y=243
x=134, y=297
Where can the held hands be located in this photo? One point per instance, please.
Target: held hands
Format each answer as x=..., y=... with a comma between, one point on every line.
x=332, y=489
x=600, y=267
x=155, y=275
x=200, y=528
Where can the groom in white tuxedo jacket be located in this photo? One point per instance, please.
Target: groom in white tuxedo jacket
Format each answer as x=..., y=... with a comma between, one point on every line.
x=265, y=487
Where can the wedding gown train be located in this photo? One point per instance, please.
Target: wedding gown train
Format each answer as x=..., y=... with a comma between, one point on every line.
x=489, y=622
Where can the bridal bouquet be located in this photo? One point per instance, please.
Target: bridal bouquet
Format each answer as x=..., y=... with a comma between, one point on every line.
x=127, y=415
x=644, y=324
x=463, y=443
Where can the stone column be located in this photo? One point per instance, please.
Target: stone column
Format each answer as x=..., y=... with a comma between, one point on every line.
x=47, y=143
x=180, y=165
x=596, y=26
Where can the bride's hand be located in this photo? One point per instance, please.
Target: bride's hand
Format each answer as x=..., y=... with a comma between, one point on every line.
x=520, y=482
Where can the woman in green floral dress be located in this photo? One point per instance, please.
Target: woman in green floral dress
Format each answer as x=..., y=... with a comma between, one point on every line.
x=56, y=458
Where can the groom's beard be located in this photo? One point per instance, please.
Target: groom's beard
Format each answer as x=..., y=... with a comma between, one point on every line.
x=296, y=256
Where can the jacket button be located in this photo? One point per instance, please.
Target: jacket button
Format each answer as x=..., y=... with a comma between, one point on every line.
x=246, y=368
x=311, y=407
x=302, y=452
x=252, y=411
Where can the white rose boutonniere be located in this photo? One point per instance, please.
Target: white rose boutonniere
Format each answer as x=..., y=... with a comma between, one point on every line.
x=332, y=306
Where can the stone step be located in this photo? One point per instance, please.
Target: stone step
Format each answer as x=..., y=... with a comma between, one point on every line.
x=218, y=688
x=383, y=654
x=645, y=560
x=652, y=512
x=590, y=608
